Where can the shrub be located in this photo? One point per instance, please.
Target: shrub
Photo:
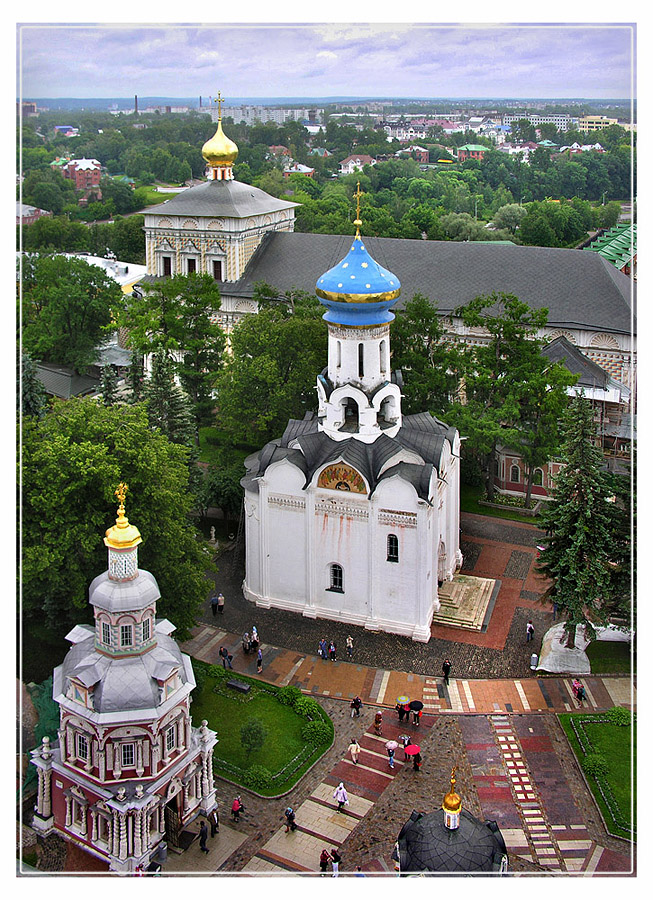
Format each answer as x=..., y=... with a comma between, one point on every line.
x=595, y=764
x=316, y=733
x=257, y=777
x=307, y=707
x=619, y=715
x=289, y=695
x=253, y=735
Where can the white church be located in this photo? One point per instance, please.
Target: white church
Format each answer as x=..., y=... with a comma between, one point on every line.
x=353, y=514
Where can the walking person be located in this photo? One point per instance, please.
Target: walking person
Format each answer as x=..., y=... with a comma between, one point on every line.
x=325, y=859
x=220, y=603
x=332, y=651
x=378, y=722
x=226, y=658
x=236, y=809
x=259, y=660
x=405, y=740
x=254, y=641
x=417, y=762
x=391, y=757
x=336, y=859
x=350, y=646
x=355, y=750
x=289, y=813
x=214, y=603
x=214, y=822
x=204, y=833
x=401, y=711
x=446, y=668
x=340, y=795
x=323, y=649
x=530, y=631
x=356, y=705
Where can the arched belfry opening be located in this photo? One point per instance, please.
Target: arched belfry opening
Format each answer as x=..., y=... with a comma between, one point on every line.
x=350, y=415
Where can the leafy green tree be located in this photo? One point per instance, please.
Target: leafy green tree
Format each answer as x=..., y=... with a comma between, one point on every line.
x=32, y=398
x=427, y=362
x=579, y=549
x=67, y=308
x=497, y=375
x=253, y=735
x=73, y=459
x=270, y=375
x=509, y=216
x=175, y=315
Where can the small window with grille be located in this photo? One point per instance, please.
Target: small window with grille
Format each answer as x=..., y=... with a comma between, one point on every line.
x=127, y=755
x=126, y=635
x=393, y=548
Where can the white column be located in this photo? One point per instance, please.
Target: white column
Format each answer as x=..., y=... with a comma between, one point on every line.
x=138, y=833
x=310, y=561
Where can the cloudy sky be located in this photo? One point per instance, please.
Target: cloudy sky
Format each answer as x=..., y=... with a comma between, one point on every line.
x=316, y=60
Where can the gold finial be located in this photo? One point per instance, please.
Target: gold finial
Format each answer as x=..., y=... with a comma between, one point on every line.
x=219, y=101
x=121, y=493
x=357, y=221
x=452, y=801
x=122, y=534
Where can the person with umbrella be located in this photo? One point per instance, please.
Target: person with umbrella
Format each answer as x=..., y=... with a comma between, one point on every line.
x=413, y=750
x=405, y=741
x=391, y=746
x=416, y=707
x=401, y=706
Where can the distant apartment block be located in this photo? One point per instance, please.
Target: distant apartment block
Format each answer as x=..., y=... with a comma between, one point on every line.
x=595, y=123
x=27, y=109
x=250, y=115
x=562, y=121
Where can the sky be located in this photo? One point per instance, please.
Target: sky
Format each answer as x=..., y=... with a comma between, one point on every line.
x=108, y=59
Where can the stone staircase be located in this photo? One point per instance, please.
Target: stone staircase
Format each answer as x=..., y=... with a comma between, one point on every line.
x=464, y=602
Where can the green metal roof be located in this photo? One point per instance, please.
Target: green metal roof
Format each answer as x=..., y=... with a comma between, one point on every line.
x=475, y=147
x=618, y=245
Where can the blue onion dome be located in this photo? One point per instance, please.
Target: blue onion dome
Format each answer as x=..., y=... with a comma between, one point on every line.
x=358, y=291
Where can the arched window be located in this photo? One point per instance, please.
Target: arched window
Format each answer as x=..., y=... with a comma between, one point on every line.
x=538, y=477
x=393, y=548
x=514, y=474
x=361, y=353
x=336, y=578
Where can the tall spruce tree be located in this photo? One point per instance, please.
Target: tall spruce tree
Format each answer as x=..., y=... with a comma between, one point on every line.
x=168, y=408
x=580, y=527
x=108, y=385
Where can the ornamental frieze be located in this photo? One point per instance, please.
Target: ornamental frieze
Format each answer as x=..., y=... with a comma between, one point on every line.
x=397, y=518
x=338, y=508
x=345, y=334
x=291, y=503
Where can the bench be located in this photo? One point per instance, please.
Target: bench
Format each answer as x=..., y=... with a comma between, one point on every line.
x=239, y=686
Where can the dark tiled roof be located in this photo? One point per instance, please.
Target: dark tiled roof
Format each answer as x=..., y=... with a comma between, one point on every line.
x=589, y=373
x=65, y=383
x=423, y=434
x=229, y=199
x=426, y=845
x=579, y=289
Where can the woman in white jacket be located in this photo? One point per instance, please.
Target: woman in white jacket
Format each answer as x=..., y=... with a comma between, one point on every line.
x=340, y=794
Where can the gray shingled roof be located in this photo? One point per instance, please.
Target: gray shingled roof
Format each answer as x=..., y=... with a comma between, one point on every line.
x=64, y=382
x=426, y=845
x=423, y=434
x=579, y=289
x=224, y=199
x=589, y=373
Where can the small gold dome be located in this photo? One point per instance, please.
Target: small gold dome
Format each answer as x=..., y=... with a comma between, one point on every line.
x=452, y=802
x=219, y=151
x=122, y=535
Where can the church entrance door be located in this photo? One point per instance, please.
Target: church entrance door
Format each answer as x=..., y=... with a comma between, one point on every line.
x=172, y=822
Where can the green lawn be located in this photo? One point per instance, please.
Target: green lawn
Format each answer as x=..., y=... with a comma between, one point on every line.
x=469, y=497
x=227, y=711
x=607, y=657
x=154, y=196
x=613, y=742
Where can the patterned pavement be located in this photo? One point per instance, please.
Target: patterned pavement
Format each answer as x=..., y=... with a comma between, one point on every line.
x=319, y=824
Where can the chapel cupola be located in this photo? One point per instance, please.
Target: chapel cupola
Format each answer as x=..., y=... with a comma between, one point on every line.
x=452, y=805
x=220, y=152
x=357, y=397
x=124, y=597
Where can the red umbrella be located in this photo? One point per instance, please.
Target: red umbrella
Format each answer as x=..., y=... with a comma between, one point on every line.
x=411, y=749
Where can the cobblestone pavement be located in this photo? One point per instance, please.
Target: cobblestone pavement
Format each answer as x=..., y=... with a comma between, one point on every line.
x=492, y=548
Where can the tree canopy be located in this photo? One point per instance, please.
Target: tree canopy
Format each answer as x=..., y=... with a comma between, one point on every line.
x=72, y=460
x=67, y=308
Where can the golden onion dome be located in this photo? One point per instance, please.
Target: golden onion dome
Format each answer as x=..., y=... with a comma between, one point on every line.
x=452, y=802
x=122, y=535
x=220, y=151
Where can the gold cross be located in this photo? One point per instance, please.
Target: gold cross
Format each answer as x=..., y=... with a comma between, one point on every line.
x=218, y=100
x=121, y=493
x=357, y=221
